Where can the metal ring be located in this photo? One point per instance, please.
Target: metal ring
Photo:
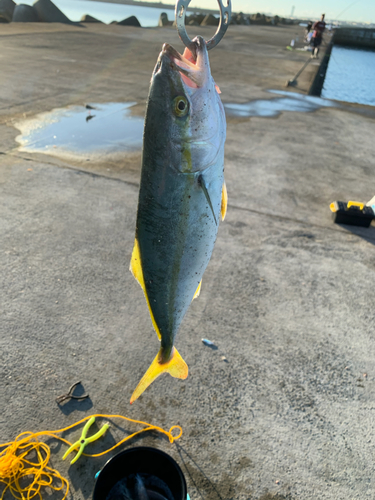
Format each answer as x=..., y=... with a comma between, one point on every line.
x=180, y=13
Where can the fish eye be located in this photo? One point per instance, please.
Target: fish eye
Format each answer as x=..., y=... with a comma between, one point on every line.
x=180, y=106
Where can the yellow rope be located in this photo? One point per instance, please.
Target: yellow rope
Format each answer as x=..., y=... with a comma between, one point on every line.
x=25, y=476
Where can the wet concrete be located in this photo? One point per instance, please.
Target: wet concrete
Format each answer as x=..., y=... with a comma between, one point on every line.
x=269, y=108
x=286, y=297
x=82, y=131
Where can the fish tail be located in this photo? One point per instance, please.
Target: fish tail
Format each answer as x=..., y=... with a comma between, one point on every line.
x=175, y=366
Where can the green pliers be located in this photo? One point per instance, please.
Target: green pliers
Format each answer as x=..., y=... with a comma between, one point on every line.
x=83, y=441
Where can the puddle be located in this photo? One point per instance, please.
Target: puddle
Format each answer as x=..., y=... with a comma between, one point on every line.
x=83, y=130
x=269, y=108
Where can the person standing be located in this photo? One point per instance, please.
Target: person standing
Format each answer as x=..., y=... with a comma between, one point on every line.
x=317, y=36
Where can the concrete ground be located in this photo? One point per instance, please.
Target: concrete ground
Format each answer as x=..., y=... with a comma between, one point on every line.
x=286, y=297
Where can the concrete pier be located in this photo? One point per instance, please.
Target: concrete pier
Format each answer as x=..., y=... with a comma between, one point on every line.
x=283, y=409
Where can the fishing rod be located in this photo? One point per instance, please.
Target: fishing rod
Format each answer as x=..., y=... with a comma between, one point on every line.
x=347, y=8
x=293, y=81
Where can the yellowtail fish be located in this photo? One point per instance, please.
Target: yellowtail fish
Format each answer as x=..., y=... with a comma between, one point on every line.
x=182, y=195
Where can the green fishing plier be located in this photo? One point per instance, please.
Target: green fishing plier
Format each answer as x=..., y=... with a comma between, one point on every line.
x=83, y=441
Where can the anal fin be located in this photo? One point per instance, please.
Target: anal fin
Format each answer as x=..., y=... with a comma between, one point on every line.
x=176, y=367
x=137, y=272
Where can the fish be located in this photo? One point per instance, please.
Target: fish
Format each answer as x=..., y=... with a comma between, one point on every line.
x=182, y=195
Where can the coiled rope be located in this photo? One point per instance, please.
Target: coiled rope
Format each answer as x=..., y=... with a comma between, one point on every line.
x=25, y=476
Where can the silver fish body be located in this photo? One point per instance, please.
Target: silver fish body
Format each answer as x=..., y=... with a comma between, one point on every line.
x=181, y=195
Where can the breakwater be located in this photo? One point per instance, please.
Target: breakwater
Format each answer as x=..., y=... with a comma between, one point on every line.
x=318, y=82
x=355, y=37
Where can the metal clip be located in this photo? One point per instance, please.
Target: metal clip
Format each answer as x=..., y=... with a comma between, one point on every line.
x=180, y=13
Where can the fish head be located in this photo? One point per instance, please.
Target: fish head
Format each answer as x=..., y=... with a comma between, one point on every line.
x=186, y=104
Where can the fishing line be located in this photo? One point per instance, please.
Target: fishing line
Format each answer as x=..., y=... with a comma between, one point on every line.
x=346, y=8
x=24, y=462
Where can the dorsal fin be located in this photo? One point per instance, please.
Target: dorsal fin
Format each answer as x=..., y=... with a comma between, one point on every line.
x=137, y=271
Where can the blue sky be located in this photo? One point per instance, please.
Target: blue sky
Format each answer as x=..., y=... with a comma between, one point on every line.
x=358, y=11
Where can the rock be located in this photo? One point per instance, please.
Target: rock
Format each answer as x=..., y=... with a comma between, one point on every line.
x=198, y=18
x=130, y=21
x=210, y=20
x=240, y=19
x=163, y=20
x=258, y=19
x=49, y=13
x=25, y=14
x=6, y=10
x=89, y=19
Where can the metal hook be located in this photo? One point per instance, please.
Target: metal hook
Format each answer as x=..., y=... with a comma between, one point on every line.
x=180, y=13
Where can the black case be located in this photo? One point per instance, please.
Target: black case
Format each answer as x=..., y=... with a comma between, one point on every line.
x=353, y=216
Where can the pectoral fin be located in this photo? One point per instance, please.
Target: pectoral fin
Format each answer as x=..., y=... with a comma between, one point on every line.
x=176, y=367
x=224, y=201
x=202, y=184
x=136, y=269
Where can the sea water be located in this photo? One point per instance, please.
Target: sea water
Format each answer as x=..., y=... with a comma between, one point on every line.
x=108, y=12
x=350, y=76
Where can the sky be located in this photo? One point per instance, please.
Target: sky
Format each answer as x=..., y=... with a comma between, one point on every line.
x=362, y=11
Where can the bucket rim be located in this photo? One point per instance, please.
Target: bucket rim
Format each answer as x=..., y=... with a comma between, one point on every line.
x=139, y=449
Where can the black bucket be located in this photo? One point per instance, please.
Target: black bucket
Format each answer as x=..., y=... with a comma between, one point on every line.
x=146, y=463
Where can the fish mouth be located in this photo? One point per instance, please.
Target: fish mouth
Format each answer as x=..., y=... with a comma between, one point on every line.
x=192, y=67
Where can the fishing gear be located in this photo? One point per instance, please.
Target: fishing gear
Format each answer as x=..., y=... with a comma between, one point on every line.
x=83, y=440
x=180, y=14
x=24, y=462
x=69, y=394
x=353, y=213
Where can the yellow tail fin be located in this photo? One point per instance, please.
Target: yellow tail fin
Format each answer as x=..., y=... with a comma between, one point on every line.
x=176, y=367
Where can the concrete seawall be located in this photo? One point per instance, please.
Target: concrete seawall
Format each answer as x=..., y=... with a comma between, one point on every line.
x=355, y=37
x=318, y=82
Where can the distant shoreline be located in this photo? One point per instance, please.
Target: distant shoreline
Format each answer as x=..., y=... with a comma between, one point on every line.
x=161, y=5
x=157, y=5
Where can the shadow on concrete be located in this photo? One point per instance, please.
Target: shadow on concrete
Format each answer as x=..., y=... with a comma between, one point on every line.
x=366, y=233
x=180, y=449
x=75, y=405
x=72, y=404
x=211, y=346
